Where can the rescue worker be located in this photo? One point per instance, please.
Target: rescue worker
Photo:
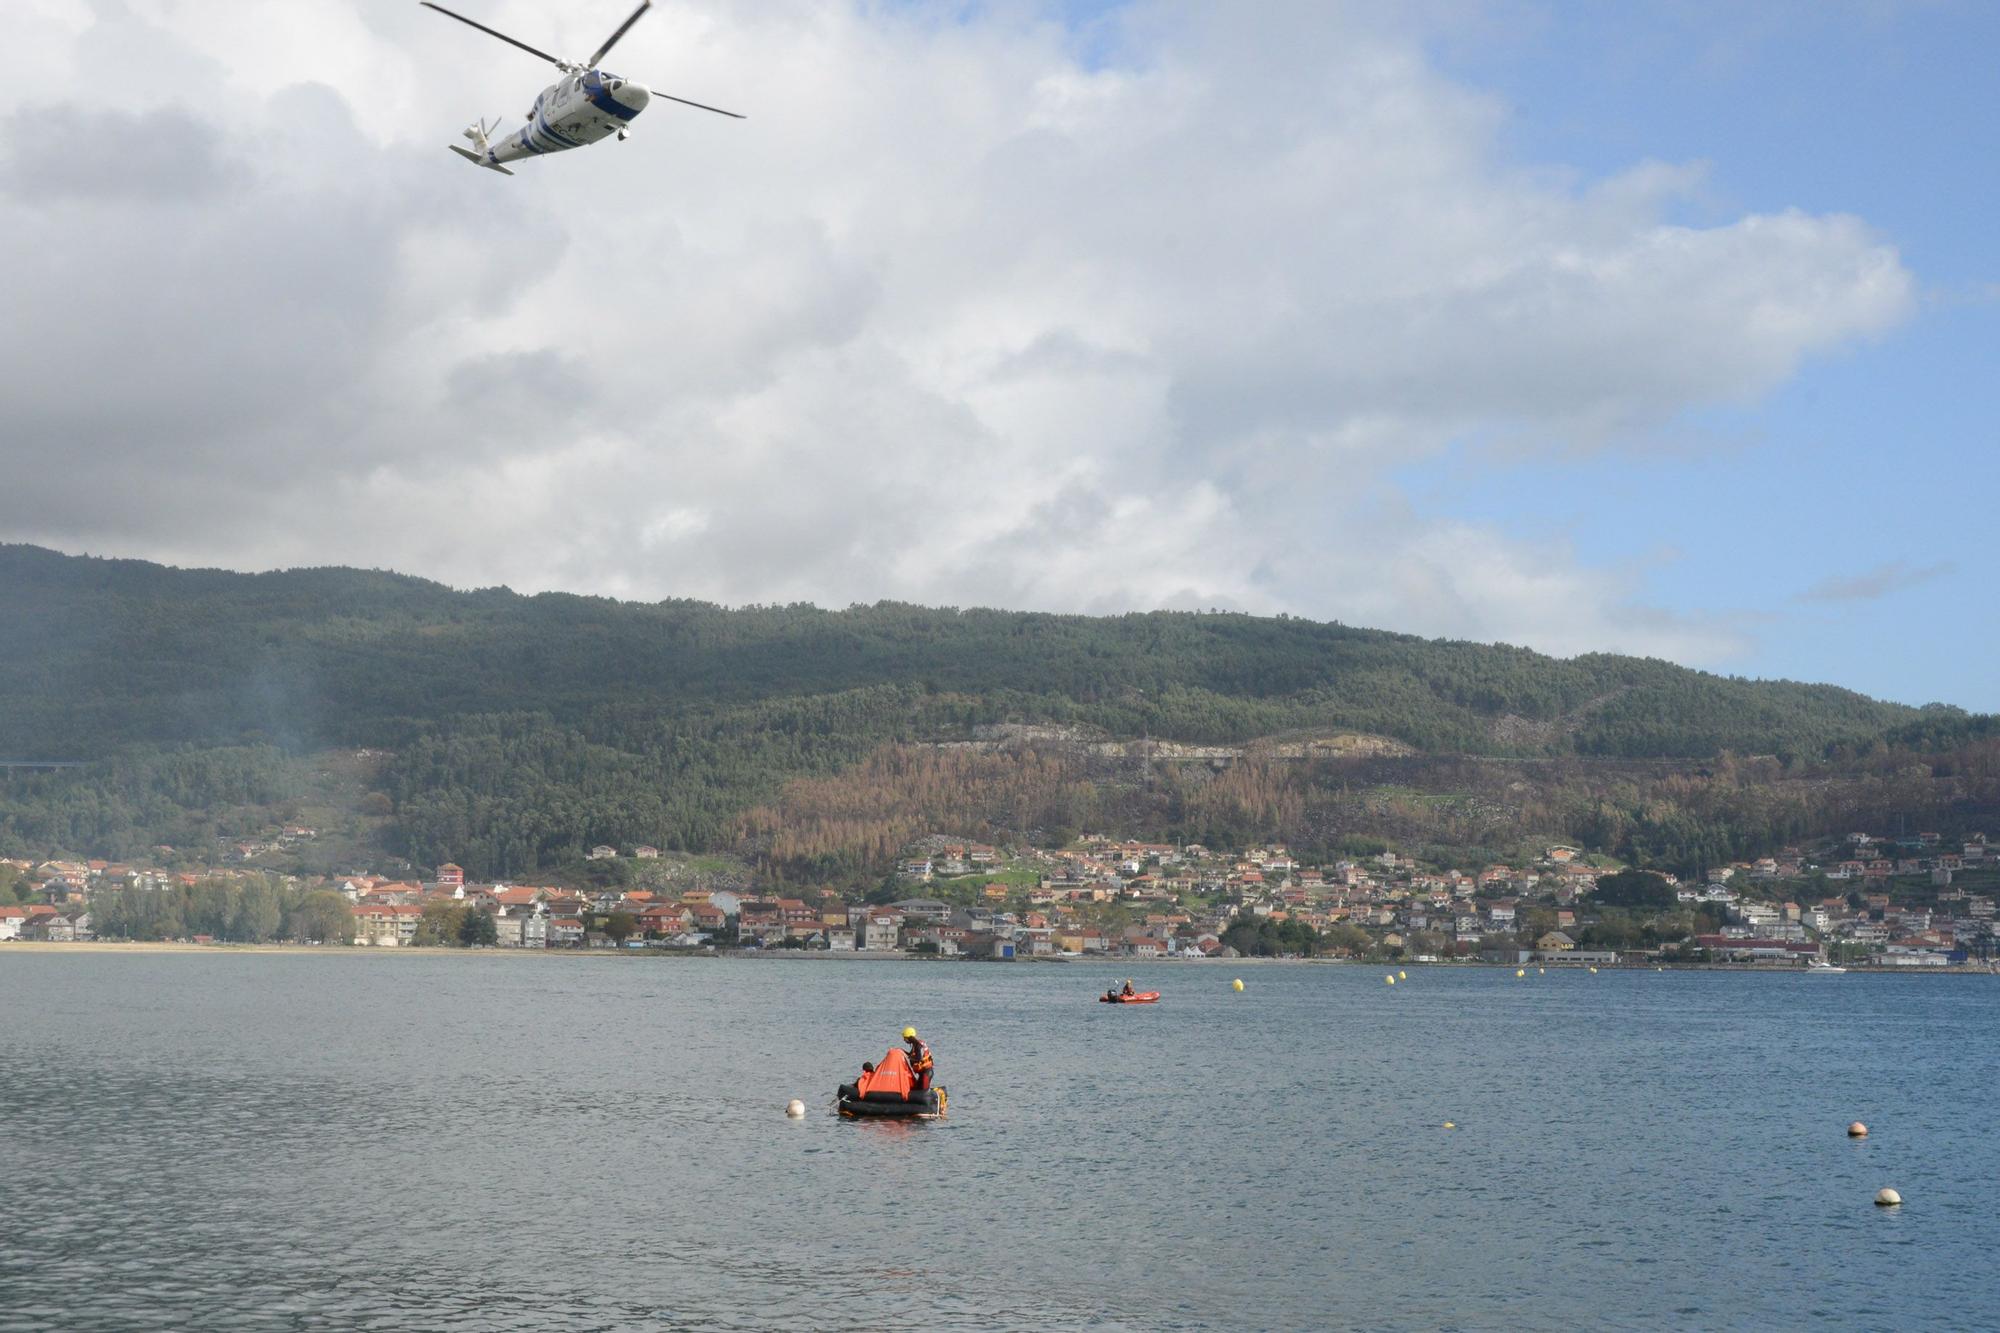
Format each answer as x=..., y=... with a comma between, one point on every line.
x=1128, y=987
x=920, y=1059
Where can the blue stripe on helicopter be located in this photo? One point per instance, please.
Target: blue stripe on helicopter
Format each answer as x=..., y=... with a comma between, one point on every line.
x=606, y=103
x=549, y=132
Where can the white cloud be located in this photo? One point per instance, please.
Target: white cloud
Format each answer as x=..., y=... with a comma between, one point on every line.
x=954, y=317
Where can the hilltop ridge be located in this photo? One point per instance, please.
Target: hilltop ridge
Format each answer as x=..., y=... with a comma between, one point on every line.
x=112, y=652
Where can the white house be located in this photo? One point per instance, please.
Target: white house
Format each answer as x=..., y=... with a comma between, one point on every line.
x=883, y=931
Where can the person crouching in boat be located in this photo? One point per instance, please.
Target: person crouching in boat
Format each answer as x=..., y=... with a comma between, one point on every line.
x=920, y=1059
x=1128, y=992
x=860, y=1081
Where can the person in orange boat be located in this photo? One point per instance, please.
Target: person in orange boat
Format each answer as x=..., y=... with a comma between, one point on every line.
x=1128, y=987
x=920, y=1059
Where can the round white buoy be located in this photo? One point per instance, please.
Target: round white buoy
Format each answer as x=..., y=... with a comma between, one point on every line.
x=1887, y=1198
x=1857, y=1130
x=1541, y=971
x=795, y=1109
x=1236, y=984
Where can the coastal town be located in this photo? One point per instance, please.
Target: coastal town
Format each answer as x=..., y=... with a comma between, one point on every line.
x=1866, y=900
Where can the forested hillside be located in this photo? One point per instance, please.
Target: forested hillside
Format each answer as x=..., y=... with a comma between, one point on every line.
x=516, y=731
x=106, y=653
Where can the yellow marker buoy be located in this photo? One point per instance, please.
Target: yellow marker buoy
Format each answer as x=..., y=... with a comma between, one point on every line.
x=1857, y=1130
x=795, y=1109
x=1449, y=1125
x=1887, y=1199
x=1403, y=976
x=1237, y=984
x=1593, y=971
x=1520, y=972
x=1390, y=980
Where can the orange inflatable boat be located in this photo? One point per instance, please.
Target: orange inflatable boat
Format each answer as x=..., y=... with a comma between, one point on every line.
x=890, y=1089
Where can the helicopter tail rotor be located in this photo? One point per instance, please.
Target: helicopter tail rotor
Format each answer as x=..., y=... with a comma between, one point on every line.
x=481, y=152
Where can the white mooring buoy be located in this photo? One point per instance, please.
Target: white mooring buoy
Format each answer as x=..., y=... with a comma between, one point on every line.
x=795, y=1109
x=1857, y=1130
x=1887, y=1198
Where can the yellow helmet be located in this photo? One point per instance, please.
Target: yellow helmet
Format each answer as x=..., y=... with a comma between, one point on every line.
x=909, y=1034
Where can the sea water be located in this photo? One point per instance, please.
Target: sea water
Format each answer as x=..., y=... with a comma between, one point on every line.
x=336, y=1141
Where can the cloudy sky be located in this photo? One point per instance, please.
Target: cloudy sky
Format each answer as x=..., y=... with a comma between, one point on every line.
x=1666, y=329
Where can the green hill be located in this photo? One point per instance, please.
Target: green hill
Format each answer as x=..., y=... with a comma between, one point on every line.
x=106, y=653
x=521, y=728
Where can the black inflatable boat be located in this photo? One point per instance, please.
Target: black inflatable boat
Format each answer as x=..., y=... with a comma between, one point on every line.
x=925, y=1105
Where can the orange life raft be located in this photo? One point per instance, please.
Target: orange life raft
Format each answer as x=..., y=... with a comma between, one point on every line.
x=891, y=1090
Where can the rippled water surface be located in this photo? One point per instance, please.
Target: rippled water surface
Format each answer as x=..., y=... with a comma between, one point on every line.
x=243, y=1141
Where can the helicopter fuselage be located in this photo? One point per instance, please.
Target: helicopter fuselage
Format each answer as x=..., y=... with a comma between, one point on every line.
x=575, y=110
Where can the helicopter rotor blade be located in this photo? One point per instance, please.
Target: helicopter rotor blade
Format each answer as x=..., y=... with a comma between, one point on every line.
x=560, y=64
x=612, y=40
x=734, y=115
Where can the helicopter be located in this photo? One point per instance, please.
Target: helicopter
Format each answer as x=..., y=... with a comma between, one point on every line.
x=580, y=108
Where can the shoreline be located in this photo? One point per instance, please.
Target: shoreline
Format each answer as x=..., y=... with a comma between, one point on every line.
x=169, y=947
